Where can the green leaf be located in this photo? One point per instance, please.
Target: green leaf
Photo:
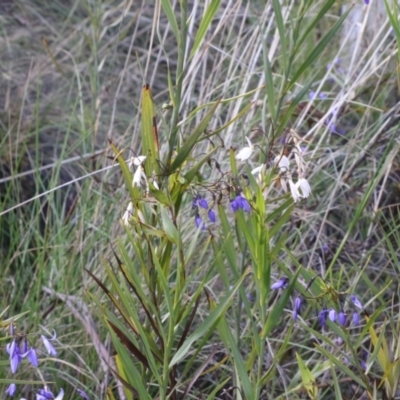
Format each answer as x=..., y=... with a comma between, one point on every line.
x=319, y=48
x=307, y=378
x=169, y=12
x=169, y=227
x=204, y=25
x=193, y=139
x=208, y=323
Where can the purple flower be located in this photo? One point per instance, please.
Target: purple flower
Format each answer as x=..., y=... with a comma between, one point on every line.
x=199, y=223
x=234, y=205
x=44, y=394
x=297, y=307
x=297, y=304
x=280, y=284
x=342, y=318
x=83, y=394
x=15, y=355
x=200, y=202
x=203, y=203
x=11, y=389
x=356, y=302
x=24, y=347
x=49, y=347
x=211, y=215
x=366, y=2
x=242, y=203
x=356, y=318
x=32, y=357
x=332, y=314
x=322, y=317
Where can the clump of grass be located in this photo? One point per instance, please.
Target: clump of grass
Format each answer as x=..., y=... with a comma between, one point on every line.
x=196, y=314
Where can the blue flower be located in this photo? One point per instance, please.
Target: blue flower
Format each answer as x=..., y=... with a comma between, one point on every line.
x=322, y=317
x=280, y=284
x=356, y=318
x=15, y=355
x=332, y=314
x=242, y=203
x=199, y=223
x=11, y=389
x=32, y=357
x=83, y=394
x=200, y=202
x=211, y=215
x=297, y=307
x=234, y=205
x=49, y=347
x=356, y=302
x=44, y=394
x=342, y=318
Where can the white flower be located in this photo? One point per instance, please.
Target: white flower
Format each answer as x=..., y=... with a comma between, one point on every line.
x=295, y=192
x=137, y=176
x=304, y=187
x=60, y=395
x=258, y=170
x=283, y=163
x=135, y=161
x=300, y=189
x=127, y=214
x=246, y=152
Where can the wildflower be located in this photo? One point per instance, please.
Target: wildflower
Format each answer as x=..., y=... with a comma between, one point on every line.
x=297, y=307
x=127, y=214
x=242, y=203
x=356, y=318
x=137, y=176
x=24, y=347
x=294, y=191
x=246, y=152
x=342, y=318
x=11, y=389
x=49, y=347
x=322, y=317
x=339, y=341
x=258, y=169
x=211, y=215
x=283, y=163
x=280, y=284
x=199, y=222
x=201, y=202
x=136, y=161
x=332, y=314
x=82, y=394
x=366, y=2
x=60, y=395
x=304, y=186
x=356, y=302
x=14, y=352
x=32, y=357
x=234, y=205
x=44, y=394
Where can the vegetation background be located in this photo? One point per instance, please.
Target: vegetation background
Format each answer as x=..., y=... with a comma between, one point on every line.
x=173, y=311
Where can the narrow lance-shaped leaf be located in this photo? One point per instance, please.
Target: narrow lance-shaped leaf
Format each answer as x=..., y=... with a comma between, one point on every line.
x=204, y=25
x=150, y=145
x=193, y=139
x=307, y=378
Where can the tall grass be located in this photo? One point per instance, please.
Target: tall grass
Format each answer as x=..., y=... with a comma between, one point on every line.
x=157, y=307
